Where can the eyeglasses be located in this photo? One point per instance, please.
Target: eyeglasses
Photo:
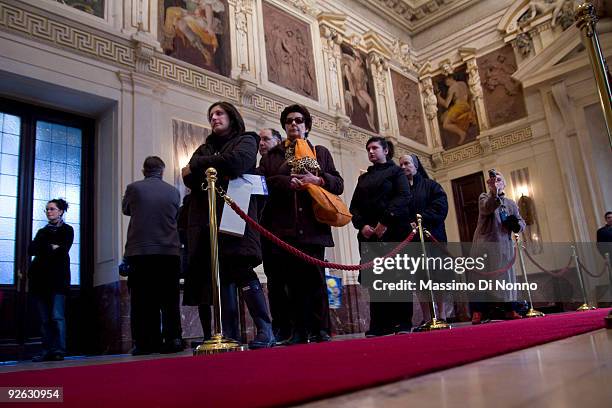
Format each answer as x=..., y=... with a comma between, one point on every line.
x=46, y=210
x=298, y=121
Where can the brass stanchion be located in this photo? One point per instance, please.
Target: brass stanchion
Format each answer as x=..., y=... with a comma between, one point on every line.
x=218, y=343
x=531, y=312
x=435, y=323
x=585, y=305
x=586, y=19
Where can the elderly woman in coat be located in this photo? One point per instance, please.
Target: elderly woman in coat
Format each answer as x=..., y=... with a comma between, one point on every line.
x=290, y=216
x=498, y=219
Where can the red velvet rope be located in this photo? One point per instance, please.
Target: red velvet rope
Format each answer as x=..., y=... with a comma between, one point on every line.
x=589, y=272
x=558, y=274
x=311, y=260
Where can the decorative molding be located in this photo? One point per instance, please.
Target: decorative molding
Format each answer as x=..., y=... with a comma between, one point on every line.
x=518, y=136
x=465, y=152
x=194, y=79
x=476, y=149
x=66, y=36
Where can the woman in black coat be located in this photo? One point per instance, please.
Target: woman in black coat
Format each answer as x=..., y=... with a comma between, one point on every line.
x=379, y=207
x=232, y=152
x=427, y=198
x=49, y=279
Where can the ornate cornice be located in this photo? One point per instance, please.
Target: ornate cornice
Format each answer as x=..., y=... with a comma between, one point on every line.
x=415, y=16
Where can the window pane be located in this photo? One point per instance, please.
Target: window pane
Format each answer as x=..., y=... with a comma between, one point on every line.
x=58, y=175
x=7, y=250
x=42, y=170
x=10, y=144
x=7, y=273
x=7, y=228
x=74, y=137
x=58, y=172
x=9, y=164
x=8, y=185
x=58, y=134
x=43, y=150
x=73, y=174
x=11, y=125
x=58, y=152
x=9, y=206
x=43, y=131
x=41, y=190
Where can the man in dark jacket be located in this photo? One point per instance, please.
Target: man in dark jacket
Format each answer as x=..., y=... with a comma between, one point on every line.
x=290, y=216
x=152, y=251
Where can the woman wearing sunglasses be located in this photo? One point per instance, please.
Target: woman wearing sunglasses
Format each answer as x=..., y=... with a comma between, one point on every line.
x=290, y=216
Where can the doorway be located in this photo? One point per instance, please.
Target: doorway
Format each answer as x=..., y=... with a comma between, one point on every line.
x=44, y=154
x=466, y=191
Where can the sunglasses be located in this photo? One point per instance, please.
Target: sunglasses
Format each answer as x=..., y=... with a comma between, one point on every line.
x=298, y=121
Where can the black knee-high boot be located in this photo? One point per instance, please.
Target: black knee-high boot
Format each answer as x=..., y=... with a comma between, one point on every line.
x=256, y=302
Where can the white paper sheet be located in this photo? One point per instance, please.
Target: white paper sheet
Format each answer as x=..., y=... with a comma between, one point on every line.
x=239, y=189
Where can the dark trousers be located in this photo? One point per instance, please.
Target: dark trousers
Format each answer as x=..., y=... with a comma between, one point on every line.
x=278, y=291
x=306, y=288
x=154, y=298
x=53, y=323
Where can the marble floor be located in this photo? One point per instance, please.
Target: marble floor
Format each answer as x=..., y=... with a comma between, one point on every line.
x=574, y=372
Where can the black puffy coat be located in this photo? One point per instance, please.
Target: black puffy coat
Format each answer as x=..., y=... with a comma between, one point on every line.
x=382, y=195
x=232, y=157
x=50, y=269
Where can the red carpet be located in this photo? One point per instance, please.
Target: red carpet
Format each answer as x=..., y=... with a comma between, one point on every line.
x=289, y=375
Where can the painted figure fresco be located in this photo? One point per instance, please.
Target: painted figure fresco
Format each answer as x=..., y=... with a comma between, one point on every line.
x=93, y=7
x=503, y=96
x=187, y=137
x=358, y=89
x=408, y=106
x=289, y=52
x=456, y=111
x=196, y=31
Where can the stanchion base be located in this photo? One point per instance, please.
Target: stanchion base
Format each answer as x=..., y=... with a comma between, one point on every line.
x=585, y=306
x=434, y=324
x=534, y=313
x=218, y=344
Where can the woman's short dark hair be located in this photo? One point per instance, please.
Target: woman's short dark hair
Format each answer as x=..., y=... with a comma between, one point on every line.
x=236, y=122
x=60, y=203
x=299, y=109
x=384, y=143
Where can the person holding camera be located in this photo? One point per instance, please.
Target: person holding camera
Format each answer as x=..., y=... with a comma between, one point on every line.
x=498, y=219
